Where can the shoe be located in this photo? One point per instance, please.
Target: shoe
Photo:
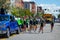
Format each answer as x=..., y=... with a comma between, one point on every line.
x=51, y=31
x=38, y=31
x=42, y=32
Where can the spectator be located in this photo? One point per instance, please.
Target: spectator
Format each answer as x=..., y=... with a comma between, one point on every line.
x=2, y=11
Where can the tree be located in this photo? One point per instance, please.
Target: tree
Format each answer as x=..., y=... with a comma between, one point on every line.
x=15, y=11
x=21, y=12
x=5, y=3
x=18, y=12
x=2, y=2
x=59, y=16
x=28, y=13
x=39, y=14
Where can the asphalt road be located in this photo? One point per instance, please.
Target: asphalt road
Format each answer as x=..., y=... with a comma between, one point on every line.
x=47, y=35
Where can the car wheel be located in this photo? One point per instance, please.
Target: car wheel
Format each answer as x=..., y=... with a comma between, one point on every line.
x=7, y=33
x=18, y=31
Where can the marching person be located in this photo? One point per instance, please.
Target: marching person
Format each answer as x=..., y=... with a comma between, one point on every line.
x=20, y=23
x=31, y=24
x=25, y=24
x=34, y=24
x=42, y=24
x=52, y=25
x=22, y=26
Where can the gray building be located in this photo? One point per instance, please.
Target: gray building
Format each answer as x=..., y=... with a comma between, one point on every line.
x=31, y=6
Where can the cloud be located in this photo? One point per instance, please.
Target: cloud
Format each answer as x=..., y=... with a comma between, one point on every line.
x=50, y=6
x=47, y=5
x=27, y=0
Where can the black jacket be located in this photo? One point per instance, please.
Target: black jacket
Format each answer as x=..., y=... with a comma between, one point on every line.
x=2, y=11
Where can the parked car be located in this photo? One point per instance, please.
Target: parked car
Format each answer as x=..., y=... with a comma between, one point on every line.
x=8, y=25
x=57, y=20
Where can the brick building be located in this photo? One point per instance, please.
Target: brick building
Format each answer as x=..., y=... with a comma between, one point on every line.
x=19, y=3
x=33, y=7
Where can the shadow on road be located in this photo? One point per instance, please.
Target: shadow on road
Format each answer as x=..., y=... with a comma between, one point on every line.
x=36, y=32
x=57, y=25
x=47, y=32
x=4, y=37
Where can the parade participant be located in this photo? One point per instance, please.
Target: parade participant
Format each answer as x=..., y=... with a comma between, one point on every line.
x=31, y=24
x=22, y=26
x=52, y=25
x=34, y=24
x=27, y=24
x=41, y=25
x=19, y=21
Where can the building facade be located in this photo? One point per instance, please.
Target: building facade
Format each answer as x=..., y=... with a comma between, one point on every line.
x=31, y=6
x=19, y=3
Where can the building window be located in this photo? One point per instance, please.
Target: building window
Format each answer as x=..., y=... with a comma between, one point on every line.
x=26, y=6
x=45, y=9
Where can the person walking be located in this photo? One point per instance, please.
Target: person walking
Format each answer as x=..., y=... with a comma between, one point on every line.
x=19, y=21
x=42, y=24
x=25, y=26
x=52, y=25
x=22, y=24
x=34, y=24
x=31, y=24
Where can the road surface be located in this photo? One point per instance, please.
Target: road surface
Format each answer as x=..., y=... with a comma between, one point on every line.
x=47, y=35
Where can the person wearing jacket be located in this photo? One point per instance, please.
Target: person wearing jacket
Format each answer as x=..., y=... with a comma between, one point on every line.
x=2, y=10
x=20, y=23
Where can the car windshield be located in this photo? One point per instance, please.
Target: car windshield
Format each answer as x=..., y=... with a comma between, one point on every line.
x=4, y=18
x=48, y=17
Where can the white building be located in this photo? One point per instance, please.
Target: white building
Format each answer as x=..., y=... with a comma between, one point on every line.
x=51, y=9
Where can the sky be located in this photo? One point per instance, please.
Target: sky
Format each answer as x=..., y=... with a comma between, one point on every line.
x=38, y=2
x=48, y=3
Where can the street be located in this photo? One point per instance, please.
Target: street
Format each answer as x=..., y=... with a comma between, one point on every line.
x=47, y=35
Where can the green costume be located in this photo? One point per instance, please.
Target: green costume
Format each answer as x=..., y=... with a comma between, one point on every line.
x=19, y=21
x=27, y=21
